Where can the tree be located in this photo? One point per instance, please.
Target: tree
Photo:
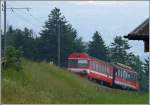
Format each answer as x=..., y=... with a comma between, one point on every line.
x=97, y=47
x=146, y=67
x=22, y=40
x=13, y=58
x=118, y=50
x=69, y=42
x=145, y=76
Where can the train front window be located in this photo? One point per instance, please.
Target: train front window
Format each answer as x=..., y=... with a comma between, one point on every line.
x=72, y=62
x=82, y=62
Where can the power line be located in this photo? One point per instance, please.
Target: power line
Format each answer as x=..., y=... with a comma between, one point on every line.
x=20, y=8
x=22, y=17
x=28, y=13
x=33, y=17
x=25, y=19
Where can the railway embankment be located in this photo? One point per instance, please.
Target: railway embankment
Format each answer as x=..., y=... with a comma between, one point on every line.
x=40, y=82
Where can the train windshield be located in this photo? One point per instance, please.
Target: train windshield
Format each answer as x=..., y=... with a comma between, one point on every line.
x=77, y=62
x=82, y=62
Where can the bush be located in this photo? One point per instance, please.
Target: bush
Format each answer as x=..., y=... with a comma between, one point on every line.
x=13, y=58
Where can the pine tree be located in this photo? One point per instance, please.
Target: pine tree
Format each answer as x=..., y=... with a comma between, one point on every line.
x=146, y=67
x=97, y=47
x=49, y=38
x=119, y=49
x=145, y=76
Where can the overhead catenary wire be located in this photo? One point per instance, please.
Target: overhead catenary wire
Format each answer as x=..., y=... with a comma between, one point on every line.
x=16, y=11
x=22, y=17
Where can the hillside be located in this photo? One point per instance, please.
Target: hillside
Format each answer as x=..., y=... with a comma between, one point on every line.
x=40, y=82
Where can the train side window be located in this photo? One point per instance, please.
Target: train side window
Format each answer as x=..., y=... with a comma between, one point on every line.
x=104, y=69
x=129, y=76
x=92, y=65
x=100, y=67
x=121, y=73
x=108, y=70
x=124, y=74
x=96, y=67
x=134, y=77
x=116, y=72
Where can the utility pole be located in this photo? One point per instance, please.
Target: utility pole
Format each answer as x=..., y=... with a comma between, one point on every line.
x=5, y=36
x=58, y=50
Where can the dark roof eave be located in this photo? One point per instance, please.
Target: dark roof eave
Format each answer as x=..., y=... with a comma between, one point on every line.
x=137, y=37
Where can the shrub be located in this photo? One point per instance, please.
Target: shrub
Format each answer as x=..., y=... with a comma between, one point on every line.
x=13, y=58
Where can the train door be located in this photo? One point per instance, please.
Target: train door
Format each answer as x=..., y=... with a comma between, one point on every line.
x=113, y=75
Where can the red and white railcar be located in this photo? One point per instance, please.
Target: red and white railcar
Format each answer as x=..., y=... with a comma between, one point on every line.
x=83, y=64
x=125, y=76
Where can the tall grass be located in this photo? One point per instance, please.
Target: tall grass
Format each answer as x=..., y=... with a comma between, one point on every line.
x=40, y=82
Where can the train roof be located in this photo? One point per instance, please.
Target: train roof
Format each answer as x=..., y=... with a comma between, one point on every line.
x=125, y=67
x=78, y=55
x=86, y=56
x=100, y=60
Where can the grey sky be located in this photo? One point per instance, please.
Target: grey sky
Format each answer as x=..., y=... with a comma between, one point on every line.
x=110, y=18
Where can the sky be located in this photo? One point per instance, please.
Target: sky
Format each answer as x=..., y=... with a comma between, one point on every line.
x=110, y=18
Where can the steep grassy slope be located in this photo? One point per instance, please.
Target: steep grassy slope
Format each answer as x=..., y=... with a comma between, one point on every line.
x=44, y=83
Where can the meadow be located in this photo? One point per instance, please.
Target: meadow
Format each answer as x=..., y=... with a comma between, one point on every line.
x=42, y=83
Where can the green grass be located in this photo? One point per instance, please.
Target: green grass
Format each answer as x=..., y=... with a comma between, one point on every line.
x=45, y=83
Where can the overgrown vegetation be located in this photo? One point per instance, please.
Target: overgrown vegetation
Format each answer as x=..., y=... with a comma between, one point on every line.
x=12, y=58
x=45, y=83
